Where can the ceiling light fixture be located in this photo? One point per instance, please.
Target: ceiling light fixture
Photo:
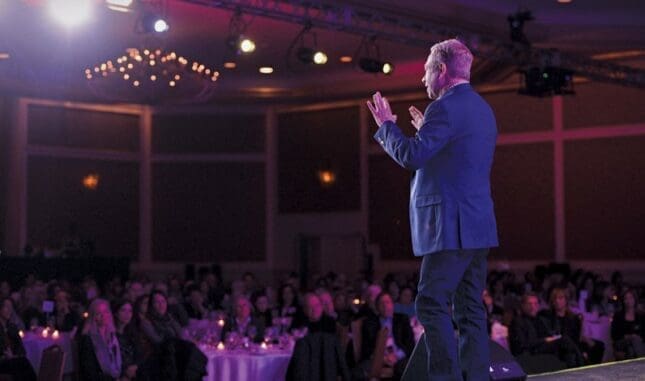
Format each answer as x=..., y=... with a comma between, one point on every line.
x=152, y=76
x=370, y=58
x=70, y=13
x=266, y=70
x=237, y=41
x=306, y=53
x=119, y=5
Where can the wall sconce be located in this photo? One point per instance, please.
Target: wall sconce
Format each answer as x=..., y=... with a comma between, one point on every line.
x=327, y=177
x=91, y=181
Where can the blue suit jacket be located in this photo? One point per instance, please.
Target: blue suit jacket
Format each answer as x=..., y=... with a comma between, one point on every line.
x=451, y=156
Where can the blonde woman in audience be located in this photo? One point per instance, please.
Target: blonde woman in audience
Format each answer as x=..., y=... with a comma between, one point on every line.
x=99, y=352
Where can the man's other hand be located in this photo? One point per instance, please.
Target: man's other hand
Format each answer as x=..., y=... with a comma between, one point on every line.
x=380, y=109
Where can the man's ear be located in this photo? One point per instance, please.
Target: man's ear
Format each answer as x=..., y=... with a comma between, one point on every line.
x=443, y=68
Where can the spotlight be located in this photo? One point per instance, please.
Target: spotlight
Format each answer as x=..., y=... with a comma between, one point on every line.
x=70, y=13
x=236, y=40
x=161, y=26
x=241, y=44
x=516, y=23
x=307, y=53
x=545, y=81
x=119, y=5
x=309, y=56
x=371, y=65
x=247, y=45
x=370, y=61
x=154, y=23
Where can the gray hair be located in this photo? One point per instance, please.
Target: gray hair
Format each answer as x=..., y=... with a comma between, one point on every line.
x=455, y=55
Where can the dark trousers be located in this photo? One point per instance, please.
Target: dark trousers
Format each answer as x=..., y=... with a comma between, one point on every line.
x=453, y=281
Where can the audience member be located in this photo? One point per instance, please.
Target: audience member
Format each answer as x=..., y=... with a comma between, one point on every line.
x=530, y=335
x=628, y=328
x=98, y=346
x=400, y=339
x=12, y=353
x=243, y=323
x=159, y=325
x=129, y=339
x=561, y=320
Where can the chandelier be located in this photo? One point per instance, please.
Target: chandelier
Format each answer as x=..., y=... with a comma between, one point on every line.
x=152, y=76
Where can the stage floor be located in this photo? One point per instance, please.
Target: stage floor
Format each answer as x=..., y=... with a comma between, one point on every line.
x=629, y=370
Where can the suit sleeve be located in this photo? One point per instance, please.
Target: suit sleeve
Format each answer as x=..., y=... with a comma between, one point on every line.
x=413, y=152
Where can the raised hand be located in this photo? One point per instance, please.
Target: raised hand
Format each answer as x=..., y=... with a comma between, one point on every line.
x=417, y=117
x=381, y=111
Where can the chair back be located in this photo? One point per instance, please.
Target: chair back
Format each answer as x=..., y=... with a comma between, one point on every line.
x=342, y=332
x=52, y=364
x=379, y=354
x=357, y=326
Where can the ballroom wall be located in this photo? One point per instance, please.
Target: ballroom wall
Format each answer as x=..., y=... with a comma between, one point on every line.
x=244, y=189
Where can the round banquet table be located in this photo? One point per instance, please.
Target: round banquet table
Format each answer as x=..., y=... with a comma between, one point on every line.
x=268, y=364
x=35, y=344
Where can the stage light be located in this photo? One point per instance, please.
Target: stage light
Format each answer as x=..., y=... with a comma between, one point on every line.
x=70, y=13
x=161, y=26
x=119, y=5
x=547, y=81
x=320, y=58
x=309, y=56
x=247, y=45
x=370, y=61
x=371, y=65
x=151, y=22
x=237, y=41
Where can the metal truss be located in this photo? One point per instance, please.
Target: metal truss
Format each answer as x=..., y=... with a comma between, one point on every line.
x=409, y=29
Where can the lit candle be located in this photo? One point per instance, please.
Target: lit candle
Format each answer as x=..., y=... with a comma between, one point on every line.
x=220, y=322
x=45, y=332
x=263, y=345
x=21, y=334
x=220, y=346
x=357, y=301
x=55, y=334
x=85, y=315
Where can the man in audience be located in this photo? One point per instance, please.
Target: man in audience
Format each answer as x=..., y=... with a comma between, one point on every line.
x=530, y=335
x=400, y=338
x=242, y=323
x=317, y=320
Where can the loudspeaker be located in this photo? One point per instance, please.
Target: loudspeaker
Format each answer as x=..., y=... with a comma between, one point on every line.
x=503, y=366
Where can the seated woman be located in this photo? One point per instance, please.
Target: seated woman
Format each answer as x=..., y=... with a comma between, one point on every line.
x=243, y=323
x=289, y=307
x=560, y=319
x=98, y=347
x=262, y=311
x=129, y=340
x=159, y=325
x=12, y=353
x=628, y=329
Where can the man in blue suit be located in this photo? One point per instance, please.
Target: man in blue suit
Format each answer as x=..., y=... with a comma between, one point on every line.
x=451, y=209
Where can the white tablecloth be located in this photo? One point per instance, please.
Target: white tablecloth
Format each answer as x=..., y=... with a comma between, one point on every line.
x=35, y=344
x=267, y=365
